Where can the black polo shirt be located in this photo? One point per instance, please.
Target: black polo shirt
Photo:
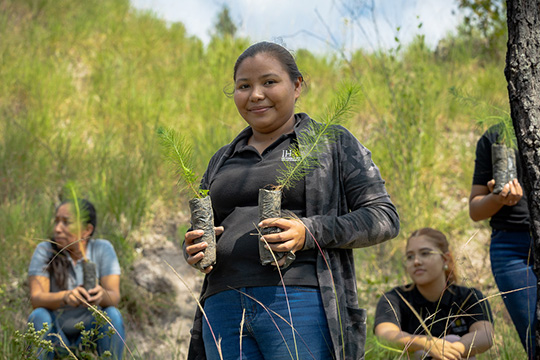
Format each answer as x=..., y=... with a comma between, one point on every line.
x=458, y=309
x=234, y=192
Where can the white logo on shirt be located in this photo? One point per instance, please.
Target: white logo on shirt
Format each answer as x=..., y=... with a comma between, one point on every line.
x=287, y=155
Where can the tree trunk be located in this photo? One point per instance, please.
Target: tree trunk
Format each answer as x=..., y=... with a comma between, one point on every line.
x=523, y=75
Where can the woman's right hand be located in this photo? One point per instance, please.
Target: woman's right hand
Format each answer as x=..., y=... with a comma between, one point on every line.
x=195, y=251
x=511, y=193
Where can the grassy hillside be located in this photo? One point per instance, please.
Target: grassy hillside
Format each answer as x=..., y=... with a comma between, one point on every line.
x=85, y=84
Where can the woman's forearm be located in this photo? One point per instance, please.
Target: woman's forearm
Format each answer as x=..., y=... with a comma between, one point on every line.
x=483, y=207
x=110, y=298
x=49, y=300
x=478, y=339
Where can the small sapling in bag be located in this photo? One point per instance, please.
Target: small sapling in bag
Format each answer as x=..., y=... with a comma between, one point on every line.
x=89, y=267
x=311, y=142
x=178, y=153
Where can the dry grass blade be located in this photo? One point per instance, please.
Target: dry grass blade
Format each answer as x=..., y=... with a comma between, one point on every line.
x=64, y=345
x=216, y=341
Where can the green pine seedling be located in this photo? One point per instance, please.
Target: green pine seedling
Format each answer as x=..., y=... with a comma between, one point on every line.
x=312, y=141
x=502, y=120
x=80, y=215
x=178, y=152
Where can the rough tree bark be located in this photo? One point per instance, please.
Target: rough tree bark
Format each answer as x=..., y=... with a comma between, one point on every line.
x=523, y=75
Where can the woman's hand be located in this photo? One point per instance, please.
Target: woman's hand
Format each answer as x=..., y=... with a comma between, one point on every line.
x=96, y=295
x=441, y=349
x=292, y=238
x=509, y=195
x=195, y=251
x=76, y=297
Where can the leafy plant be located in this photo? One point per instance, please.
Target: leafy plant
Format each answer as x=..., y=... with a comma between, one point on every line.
x=31, y=343
x=178, y=152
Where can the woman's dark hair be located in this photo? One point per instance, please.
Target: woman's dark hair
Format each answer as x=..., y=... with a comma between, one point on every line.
x=438, y=239
x=59, y=262
x=279, y=52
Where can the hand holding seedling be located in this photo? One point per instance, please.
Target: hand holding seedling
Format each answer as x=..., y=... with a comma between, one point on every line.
x=509, y=195
x=292, y=237
x=76, y=297
x=195, y=250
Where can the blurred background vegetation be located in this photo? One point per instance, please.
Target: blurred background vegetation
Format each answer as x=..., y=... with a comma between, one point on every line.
x=85, y=84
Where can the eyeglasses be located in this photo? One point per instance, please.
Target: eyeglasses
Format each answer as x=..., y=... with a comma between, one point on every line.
x=424, y=254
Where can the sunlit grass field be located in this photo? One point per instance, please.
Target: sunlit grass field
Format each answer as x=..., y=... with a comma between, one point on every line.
x=85, y=84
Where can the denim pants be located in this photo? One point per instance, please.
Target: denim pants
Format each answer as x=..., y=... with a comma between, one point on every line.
x=255, y=323
x=114, y=343
x=511, y=263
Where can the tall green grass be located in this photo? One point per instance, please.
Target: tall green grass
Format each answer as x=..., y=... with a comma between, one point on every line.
x=84, y=85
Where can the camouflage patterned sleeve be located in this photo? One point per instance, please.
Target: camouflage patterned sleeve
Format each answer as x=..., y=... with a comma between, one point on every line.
x=348, y=205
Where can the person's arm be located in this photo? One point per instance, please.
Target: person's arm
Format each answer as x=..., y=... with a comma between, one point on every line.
x=483, y=204
x=372, y=217
x=477, y=340
x=437, y=348
x=40, y=295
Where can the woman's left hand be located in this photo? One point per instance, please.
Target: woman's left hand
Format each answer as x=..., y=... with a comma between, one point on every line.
x=95, y=295
x=292, y=237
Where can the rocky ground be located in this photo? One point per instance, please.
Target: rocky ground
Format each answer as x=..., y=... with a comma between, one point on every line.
x=173, y=286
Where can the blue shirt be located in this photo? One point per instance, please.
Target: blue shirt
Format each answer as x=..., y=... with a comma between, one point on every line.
x=98, y=250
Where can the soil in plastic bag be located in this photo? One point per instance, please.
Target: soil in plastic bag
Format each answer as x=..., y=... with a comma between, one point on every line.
x=269, y=207
x=202, y=218
x=504, y=166
x=89, y=274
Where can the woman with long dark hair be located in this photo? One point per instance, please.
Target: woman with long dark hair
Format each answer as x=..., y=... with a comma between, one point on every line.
x=56, y=277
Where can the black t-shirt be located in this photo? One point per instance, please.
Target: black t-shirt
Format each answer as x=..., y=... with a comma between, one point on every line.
x=509, y=218
x=459, y=308
x=234, y=193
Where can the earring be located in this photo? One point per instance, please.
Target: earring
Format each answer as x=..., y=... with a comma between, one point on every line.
x=445, y=267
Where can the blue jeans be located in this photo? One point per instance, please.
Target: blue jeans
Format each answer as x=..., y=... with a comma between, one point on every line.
x=114, y=343
x=254, y=323
x=511, y=263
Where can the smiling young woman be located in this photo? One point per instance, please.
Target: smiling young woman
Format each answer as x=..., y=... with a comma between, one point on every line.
x=249, y=306
x=456, y=322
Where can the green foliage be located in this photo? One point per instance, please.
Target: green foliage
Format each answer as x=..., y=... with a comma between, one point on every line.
x=31, y=344
x=224, y=25
x=314, y=140
x=486, y=16
x=177, y=151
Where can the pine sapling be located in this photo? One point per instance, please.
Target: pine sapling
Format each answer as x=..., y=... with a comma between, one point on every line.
x=81, y=216
x=177, y=151
x=311, y=142
x=503, y=151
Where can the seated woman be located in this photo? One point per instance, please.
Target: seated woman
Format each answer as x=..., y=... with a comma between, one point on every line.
x=56, y=277
x=456, y=322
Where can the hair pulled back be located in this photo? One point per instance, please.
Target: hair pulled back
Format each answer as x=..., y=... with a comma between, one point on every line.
x=59, y=263
x=277, y=51
x=438, y=239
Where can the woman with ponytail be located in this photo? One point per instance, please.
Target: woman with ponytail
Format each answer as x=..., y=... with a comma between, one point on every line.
x=56, y=276
x=433, y=317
